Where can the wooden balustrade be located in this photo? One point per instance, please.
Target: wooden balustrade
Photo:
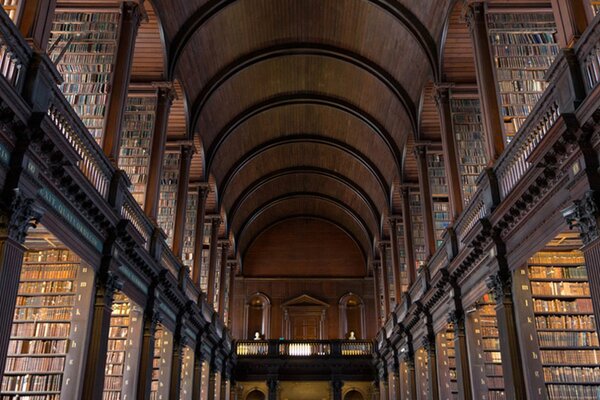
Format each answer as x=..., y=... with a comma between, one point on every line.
x=304, y=348
x=14, y=51
x=170, y=262
x=132, y=212
x=587, y=50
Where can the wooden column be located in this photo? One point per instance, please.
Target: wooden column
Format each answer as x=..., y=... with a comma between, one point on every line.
x=512, y=362
x=385, y=277
x=14, y=223
x=182, y=195
x=214, y=245
x=223, y=278
x=232, y=273
x=451, y=160
x=151, y=321
x=199, y=358
x=336, y=388
x=571, y=20
x=132, y=14
x=488, y=93
x=212, y=383
x=409, y=250
x=396, y=267
x=426, y=201
x=159, y=138
x=376, y=274
x=203, y=192
x=273, y=386
x=430, y=353
x=463, y=377
x=409, y=360
x=179, y=342
x=397, y=395
x=93, y=382
x=35, y=22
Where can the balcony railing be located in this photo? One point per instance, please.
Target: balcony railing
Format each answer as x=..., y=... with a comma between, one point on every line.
x=304, y=348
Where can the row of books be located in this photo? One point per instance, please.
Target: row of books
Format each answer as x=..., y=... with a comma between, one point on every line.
x=521, y=86
x=52, y=255
x=569, y=392
x=41, y=329
x=562, y=306
x=520, y=98
x=524, y=39
x=32, y=383
x=42, y=287
x=541, y=272
x=35, y=364
x=566, y=257
x=119, y=332
x=568, y=339
x=560, y=288
x=572, y=322
x=572, y=374
x=38, y=346
x=43, y=314
x=574, y=357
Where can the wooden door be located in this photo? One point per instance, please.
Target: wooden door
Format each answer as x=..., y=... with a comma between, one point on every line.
x=305, y=328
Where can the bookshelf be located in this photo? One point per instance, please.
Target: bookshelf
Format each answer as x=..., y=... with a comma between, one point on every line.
x=402, y=258
x=123, y=349
x=523, y=48
x=48, y=332
x=446, y=364
x=205, y=257
x=187, y=374
x=418, y=227
x=439, y=195
x=218, y=288
x=405, y=386
x=136, y=138
x=560, y=325
x=488, y=379
x=422, y=374
x=168, y=194
x=83, y=46
x=161, y=364
x=390, y=276
x=470, y=142
x=11, y=7
x=595, y=4
x=189, y=235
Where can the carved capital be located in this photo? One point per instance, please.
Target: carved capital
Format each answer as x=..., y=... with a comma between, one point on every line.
x=583, y=215
x=166, y=93
x=21, y=215
x=456, y=318
x=473, y=12
x=134, y=12
x=420, y=151
x=112, y=283
x=442, y=93
x=500, y=284
x=337, y=385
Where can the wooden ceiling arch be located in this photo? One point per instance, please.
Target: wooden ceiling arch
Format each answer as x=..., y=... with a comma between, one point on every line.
x=325, y=185
x=299, y=171
x=303, y=98
x=303, y=204
x=400, y=12
x=314, y=49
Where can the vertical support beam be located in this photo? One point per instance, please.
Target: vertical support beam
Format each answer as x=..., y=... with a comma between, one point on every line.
x=182, y=194
x=223, y=278
x=232, y=272
x=14, y=223
x=151, y=320
x=132, y=14
x=397, y=393
x=165, y=95
x=411, y=377
x=408, y=237
x=384, y=277
x=395, y=258
x=488, y=93
x=199, y=358
x=179, y=342
x=93, y=382
x=571, y=21
x=214, y=246
x=512, y=365
x=336, y=388
x=463, y=377
x=203, y=191
x=430, y=353
x=212, y=383
x=273, y=386
x=451, y=161
x=376, y=266
x=35, y=22
x=426, y=202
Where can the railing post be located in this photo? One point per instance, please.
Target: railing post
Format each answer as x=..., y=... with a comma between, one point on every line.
x=566, y=75
x=273, y=349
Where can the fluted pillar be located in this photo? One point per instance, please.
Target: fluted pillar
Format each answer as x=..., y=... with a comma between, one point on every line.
x=203, y=192
x=214, y=246
x=385, y=284
x=376, y=274
x=223, y=278
x=409, y=249
x=396, y=267
x=187, y=152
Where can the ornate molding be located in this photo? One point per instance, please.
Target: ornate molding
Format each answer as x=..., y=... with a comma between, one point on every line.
x=583, y=215
x=500, y=284
x=22, y=214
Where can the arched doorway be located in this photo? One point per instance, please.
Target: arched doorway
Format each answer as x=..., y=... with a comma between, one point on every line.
x=353, y=395
x=352, y=317
x=255, y=395
x=258, y=316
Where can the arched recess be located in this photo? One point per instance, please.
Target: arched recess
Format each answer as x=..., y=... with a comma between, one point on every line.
x=354, y=394
x=351, y=316
x=255, y=394
x=257, y=316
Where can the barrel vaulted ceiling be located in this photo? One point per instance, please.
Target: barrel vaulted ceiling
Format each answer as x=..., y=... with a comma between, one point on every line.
x=303, y=107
